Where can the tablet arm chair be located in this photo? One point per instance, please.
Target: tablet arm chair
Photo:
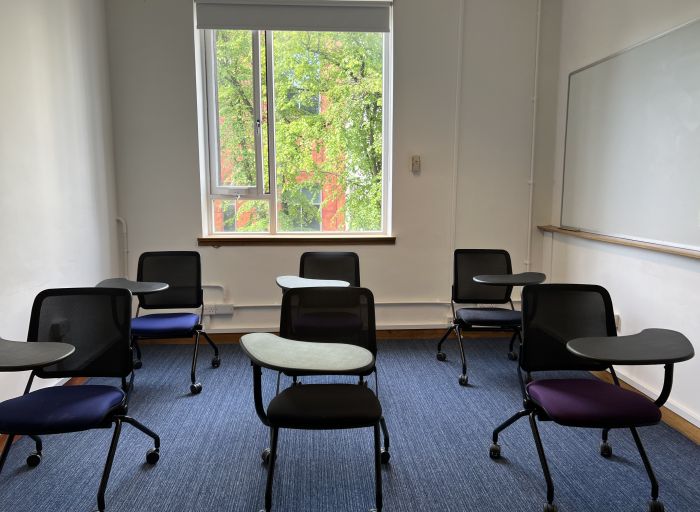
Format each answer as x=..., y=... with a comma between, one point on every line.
x=325, y=406
x=182, y=271
x=96, y=321
x=334, y=315
x=467, y=264
x=343, y=266
x=554, y=314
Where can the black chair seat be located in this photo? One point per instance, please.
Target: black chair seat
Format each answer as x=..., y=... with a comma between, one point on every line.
x=488, y=317
x=60, y=409
x=592, y=403
x=325, y=406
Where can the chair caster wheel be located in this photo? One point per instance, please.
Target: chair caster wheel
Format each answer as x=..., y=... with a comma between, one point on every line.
x=215, y=362
x=656, y=506
x=463, y=381
x=152, y=455
x=512, y=356
x=384, y=456
x=549, y=507
x=441, y=356
x=138, y=365
x=34, y=459
x=265, y=456
x=495, y=451
x=606, y=449
x=195, y=388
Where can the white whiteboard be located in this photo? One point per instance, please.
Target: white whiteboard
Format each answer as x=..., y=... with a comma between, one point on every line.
x=632, y=161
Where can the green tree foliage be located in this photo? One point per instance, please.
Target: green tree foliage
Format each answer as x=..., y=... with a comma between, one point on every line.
x=328, y=124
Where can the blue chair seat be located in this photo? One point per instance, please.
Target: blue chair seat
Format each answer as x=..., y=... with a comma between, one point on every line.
x=164, y=325
x=496, y=317
x=60, y=409
x=592, y=403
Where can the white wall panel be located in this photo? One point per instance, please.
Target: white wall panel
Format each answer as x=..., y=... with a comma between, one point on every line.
x=57, y=196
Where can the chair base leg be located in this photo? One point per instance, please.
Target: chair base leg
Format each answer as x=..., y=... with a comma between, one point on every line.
x=34, y=459
x=511, y=353
x=152, y=456
x=650, y=472
x=441, y=356
x=385, y=455
x=463, y=379
x=495, y=449
x=108, y=465
x=605, y=447
x=549, y=506
x=195, y=387
x=271, y=468
x=140, y=426
x=378, y=468
x=216, y=360
x=137, y=362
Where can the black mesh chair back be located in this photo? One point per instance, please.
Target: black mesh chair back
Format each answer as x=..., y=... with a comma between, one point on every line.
x=473, y=262
x=96, y=321
x=343, y=266
x=181, y=270
x=334, y=315
x=554, y=314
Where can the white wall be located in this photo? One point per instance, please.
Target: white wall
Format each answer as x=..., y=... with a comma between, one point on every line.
x=57, y=198
x=496, y=112
x=648, y=289
x=155, y=125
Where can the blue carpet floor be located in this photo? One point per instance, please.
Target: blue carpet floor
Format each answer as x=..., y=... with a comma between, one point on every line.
x=440, y=435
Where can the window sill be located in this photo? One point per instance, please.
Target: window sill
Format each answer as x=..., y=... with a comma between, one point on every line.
x=221, y=240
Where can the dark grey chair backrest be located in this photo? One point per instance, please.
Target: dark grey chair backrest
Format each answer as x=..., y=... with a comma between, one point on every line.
x=554, y=314
x=473, y=262
x=96, y=321
x=334, y=315
x=343, y=266
x=181, y=270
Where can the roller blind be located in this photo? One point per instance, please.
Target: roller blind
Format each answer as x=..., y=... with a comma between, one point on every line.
x=311, y=15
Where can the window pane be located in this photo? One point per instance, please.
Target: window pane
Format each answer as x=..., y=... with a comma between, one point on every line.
x=328, y=128
x=264, y=113
x=236, y=115
x=241, y=216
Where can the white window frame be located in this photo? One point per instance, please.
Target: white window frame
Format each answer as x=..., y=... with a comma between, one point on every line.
x=205, y=41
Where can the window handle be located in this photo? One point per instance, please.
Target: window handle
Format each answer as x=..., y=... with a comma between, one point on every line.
x=257, y=126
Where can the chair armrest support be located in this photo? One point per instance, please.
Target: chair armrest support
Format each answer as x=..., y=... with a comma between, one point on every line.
x=668, y=384
x=257, y=394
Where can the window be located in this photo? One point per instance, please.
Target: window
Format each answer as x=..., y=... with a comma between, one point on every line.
x=297, y=130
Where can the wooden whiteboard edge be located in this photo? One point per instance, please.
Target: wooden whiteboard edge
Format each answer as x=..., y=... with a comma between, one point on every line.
x=667, y=249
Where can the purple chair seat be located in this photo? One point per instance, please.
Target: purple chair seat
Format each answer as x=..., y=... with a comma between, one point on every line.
x=164, y=325
x=592, y=403
x=488, y=316
x=60, y=409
